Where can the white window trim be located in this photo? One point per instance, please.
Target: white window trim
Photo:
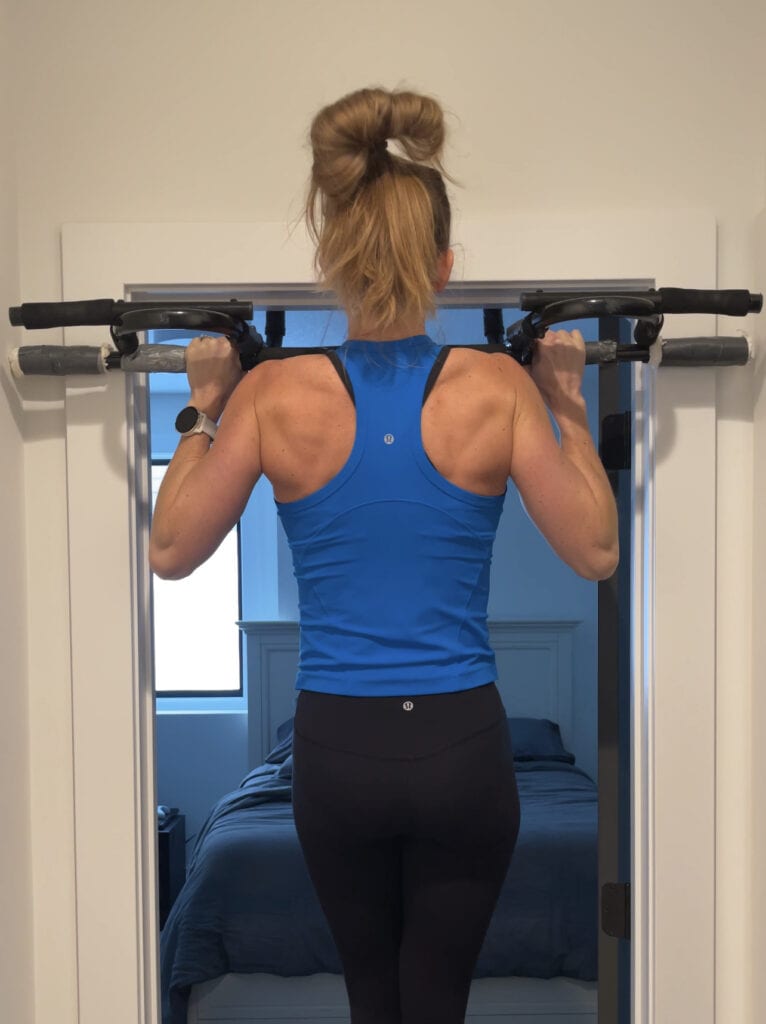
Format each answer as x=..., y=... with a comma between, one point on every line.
x=674, y=588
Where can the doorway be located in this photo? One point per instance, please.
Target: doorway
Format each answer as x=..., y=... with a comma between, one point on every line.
x=526, y=632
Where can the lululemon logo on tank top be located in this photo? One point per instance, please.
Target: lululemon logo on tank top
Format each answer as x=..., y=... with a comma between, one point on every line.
x=408, y=705
x=389, y=438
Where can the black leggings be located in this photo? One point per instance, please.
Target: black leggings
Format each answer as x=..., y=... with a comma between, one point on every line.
x=407, y=813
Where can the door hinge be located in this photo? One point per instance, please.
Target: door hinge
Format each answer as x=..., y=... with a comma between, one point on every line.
x=616, y=441
x=615, y=909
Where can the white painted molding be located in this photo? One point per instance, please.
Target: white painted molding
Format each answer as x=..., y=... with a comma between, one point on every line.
x=113, y=759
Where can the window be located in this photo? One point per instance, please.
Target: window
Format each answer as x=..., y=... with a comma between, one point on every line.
x=197, y=643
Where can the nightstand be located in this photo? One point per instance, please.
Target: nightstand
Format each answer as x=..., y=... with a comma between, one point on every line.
x=171, y=862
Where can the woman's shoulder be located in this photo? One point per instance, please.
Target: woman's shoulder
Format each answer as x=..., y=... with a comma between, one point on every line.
x=493, y=371
x=305, y=377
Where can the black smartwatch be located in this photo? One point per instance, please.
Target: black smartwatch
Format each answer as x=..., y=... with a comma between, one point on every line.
x=191, y=421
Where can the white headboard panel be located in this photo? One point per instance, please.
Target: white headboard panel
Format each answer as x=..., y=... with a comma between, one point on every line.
x=536, y=679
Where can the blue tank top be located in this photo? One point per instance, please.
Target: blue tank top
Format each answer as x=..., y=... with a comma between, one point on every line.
x=392, y=560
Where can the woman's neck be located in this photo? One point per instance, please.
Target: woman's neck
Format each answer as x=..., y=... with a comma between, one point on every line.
x=401, y=329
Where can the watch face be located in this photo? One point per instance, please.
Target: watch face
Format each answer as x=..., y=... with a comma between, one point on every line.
x=186, y=419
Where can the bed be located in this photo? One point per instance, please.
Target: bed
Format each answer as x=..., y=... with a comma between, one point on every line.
x=246, y=939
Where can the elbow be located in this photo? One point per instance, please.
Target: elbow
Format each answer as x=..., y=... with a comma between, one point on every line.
x=164, y=565
x=601, y=566
x=165, y=557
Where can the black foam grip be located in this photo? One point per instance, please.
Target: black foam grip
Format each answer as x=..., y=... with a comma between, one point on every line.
x=39, y=315
x=734, y=302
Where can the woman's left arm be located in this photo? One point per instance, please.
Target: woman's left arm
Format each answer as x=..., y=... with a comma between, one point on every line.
x=207, y=485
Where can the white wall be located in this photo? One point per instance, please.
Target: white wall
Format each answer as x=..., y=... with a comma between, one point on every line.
x=757, y=850
x=194, y=111
x=16, y=969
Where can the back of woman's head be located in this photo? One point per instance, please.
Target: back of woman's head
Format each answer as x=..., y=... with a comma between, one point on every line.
x=379, y=221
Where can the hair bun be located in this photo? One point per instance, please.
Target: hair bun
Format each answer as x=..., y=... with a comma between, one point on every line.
x=380, y=220
x=417, y=124
x=349, y=137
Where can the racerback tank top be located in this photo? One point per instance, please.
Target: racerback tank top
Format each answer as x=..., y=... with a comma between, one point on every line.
x=392, y=560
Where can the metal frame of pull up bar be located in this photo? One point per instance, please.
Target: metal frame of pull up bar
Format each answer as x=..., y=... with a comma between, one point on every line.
x=545, y=308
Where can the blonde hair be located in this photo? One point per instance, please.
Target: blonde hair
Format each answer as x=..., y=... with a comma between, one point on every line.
x=379, y=221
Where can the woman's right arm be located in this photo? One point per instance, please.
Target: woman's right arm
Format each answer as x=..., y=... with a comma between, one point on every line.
x=565, y=489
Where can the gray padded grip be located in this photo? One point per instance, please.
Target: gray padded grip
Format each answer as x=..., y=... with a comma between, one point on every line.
x=57, y=360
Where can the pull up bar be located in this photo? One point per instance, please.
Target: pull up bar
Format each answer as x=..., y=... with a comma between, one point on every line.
x=127, y=319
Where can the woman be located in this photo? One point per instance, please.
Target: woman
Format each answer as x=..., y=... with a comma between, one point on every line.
x=389, y=460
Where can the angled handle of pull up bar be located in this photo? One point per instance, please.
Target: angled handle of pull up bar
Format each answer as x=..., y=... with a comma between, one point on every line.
x=124, y=332
x=648, y=308
x=127, y=319
x=522, y=336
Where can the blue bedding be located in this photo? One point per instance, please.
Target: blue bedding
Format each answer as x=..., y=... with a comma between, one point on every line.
x=248, y=904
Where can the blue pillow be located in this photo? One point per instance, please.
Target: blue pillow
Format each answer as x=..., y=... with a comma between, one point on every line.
x=537, y=739
x=285, y=729
x=284, y=747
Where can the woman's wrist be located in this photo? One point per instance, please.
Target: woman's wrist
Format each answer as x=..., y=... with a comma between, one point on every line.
x=209, y=403
x=565, y=406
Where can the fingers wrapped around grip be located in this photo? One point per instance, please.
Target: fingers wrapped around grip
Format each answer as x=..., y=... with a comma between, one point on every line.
x=558, y=364
x=213, y=368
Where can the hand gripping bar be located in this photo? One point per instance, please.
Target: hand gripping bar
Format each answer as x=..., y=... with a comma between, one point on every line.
x=648, y=308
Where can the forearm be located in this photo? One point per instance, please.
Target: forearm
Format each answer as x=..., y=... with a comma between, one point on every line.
x=577, y=445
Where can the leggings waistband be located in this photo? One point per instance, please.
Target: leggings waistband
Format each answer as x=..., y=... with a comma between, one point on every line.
x=397, y=727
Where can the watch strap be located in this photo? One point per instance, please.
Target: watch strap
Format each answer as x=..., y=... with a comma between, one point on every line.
x=203, y=425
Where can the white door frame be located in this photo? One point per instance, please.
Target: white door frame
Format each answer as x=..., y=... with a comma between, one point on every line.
x=673, y=862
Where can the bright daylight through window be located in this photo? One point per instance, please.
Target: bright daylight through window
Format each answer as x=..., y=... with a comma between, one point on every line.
x=196, y=637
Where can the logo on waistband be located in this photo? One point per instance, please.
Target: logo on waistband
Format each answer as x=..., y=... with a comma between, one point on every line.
x=389, y=438
x=408, y=705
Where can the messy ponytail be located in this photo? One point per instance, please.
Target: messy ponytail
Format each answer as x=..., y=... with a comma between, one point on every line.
x=379, y=221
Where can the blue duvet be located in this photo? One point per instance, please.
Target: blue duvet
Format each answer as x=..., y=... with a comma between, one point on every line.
x=248, y=904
